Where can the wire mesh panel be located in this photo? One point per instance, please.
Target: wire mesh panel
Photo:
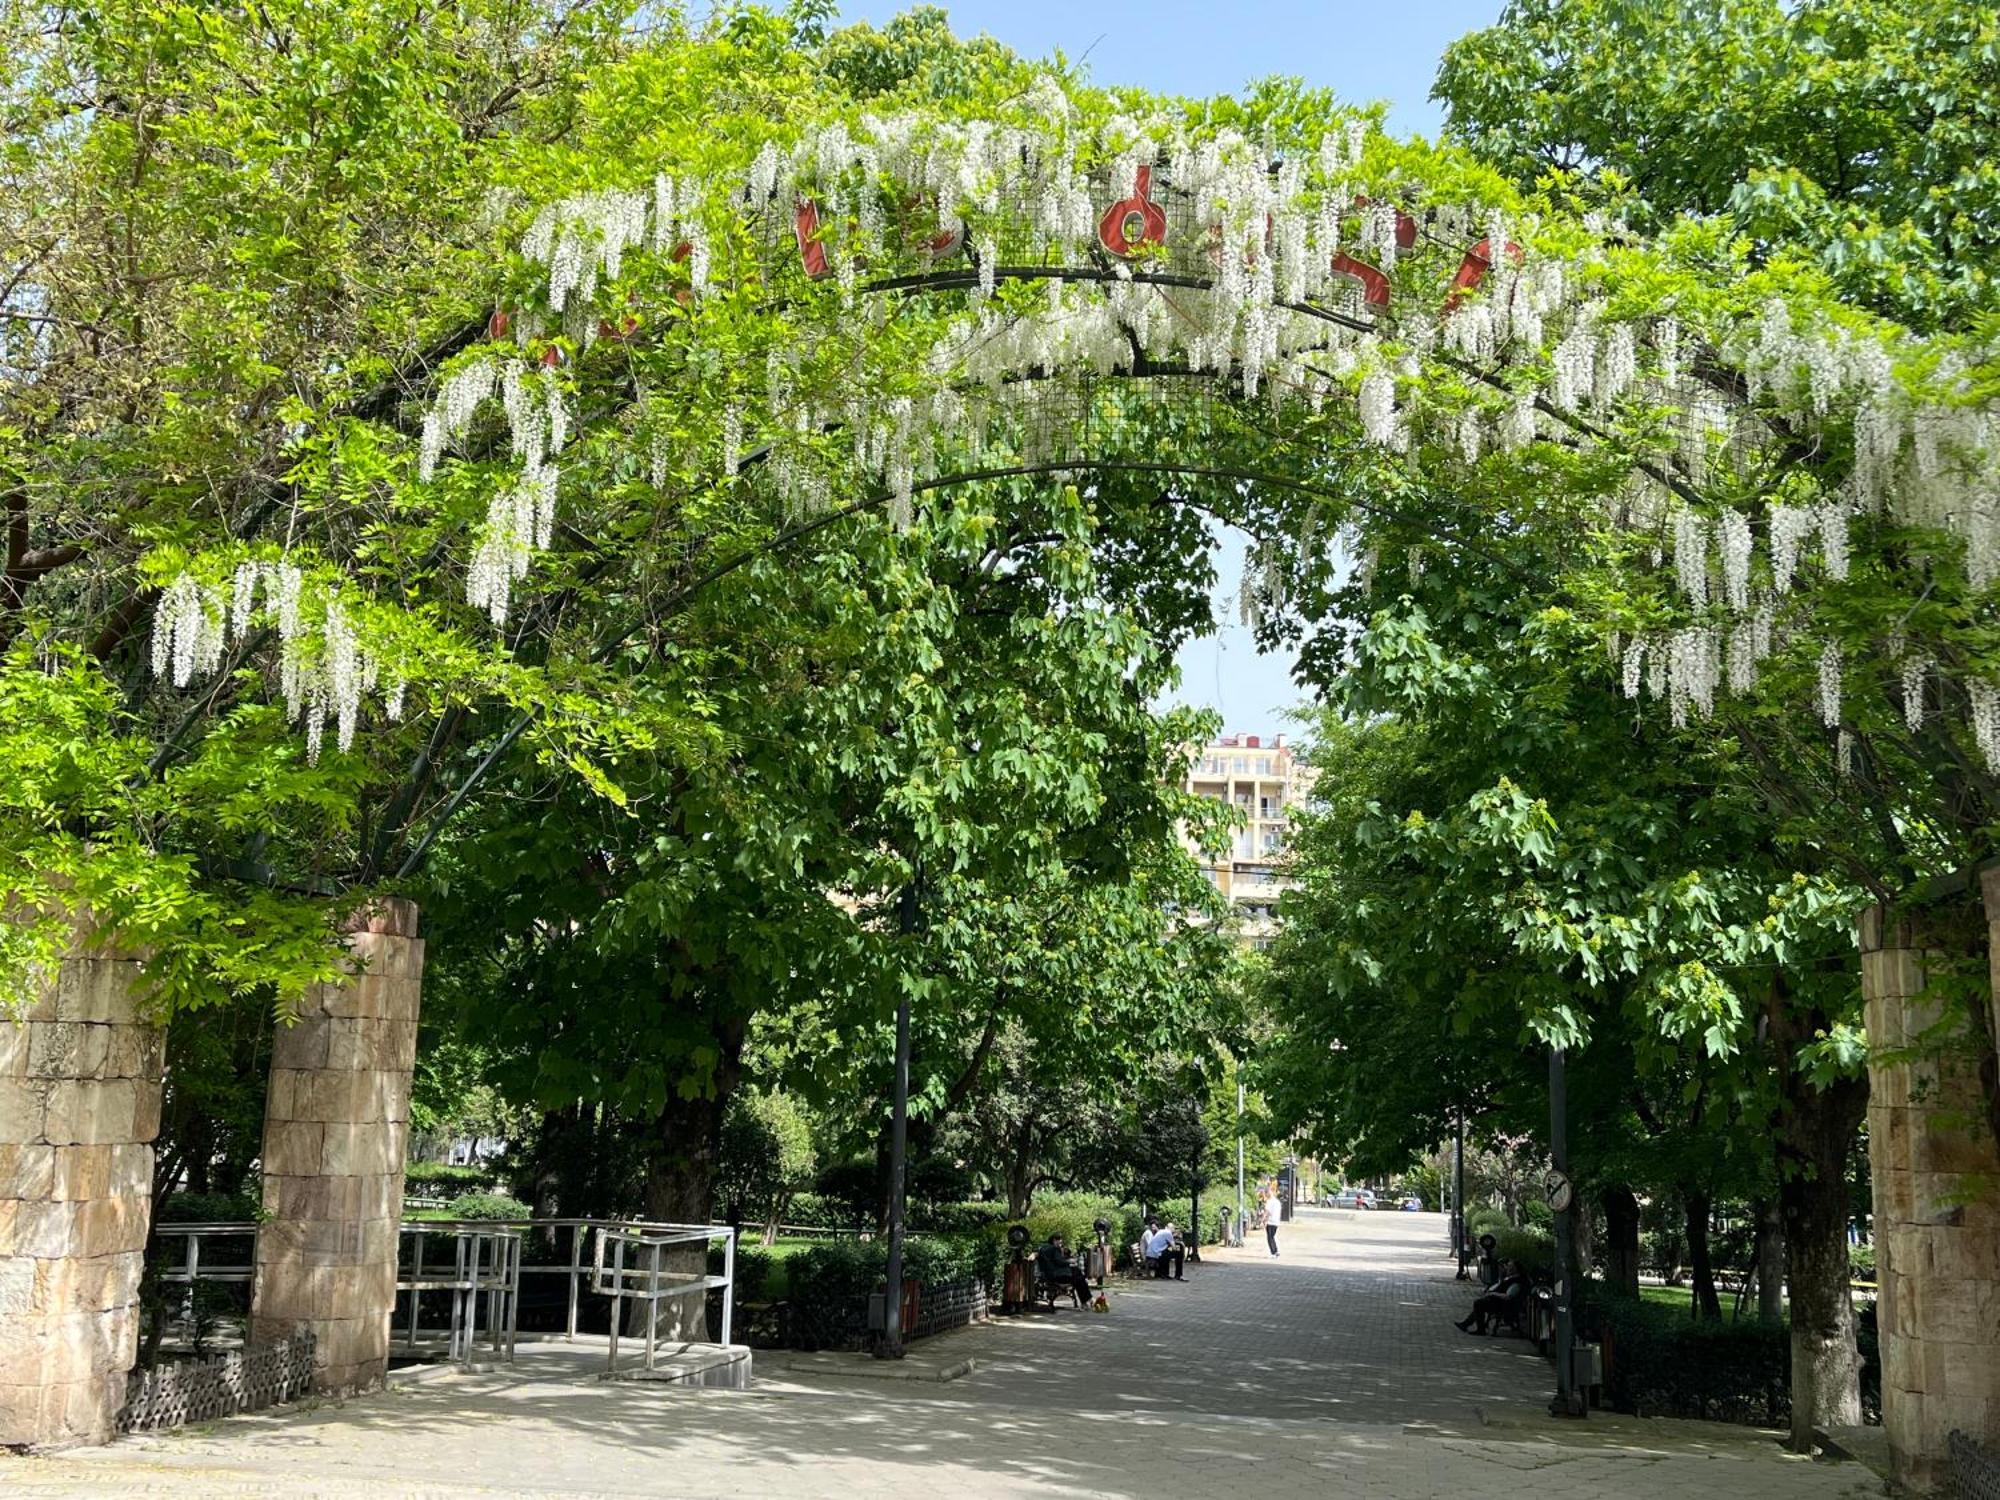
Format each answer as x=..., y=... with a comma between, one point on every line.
x=221, y=1385
x=1975, y=1471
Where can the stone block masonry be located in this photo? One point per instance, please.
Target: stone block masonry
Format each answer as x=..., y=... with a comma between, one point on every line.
x=1936, y=1175
x=336, y=1121
x=79, y=1109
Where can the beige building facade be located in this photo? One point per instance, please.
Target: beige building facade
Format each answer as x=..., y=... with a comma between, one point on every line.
x=1261, y=778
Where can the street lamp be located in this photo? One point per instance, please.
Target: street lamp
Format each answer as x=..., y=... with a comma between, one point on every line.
x=891, y=1344
x=1561, y=1195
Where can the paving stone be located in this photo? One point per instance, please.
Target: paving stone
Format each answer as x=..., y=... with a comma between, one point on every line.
x=1332, y=1372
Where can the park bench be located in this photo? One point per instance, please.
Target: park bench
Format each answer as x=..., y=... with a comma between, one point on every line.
x=1046, y=1291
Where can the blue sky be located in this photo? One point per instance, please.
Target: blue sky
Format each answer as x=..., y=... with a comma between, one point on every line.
x=1384, y=51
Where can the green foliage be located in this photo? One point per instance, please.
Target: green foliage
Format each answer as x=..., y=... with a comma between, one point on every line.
x=766, y=1155
x=438, y=1179
x=830, y=1283
x=1856, y=129
x=482, y=1206
x=206, y=1208
x=1531, y=1249
x=1660, y=1362
x=1861, y=1263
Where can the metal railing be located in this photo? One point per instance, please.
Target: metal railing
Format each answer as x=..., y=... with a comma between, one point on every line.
x=650, y=1244
x=484, y=1266
x=197, y=1264
x=485, y=1261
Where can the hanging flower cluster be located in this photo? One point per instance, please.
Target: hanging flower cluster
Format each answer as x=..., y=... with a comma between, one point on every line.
x=323, y=674
x=1142, y=249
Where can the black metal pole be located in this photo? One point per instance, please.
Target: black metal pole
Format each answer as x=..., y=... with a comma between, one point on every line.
x=1458, y=1236
x=1566, y=1403
x=891, y=1346
x=1194, y=1220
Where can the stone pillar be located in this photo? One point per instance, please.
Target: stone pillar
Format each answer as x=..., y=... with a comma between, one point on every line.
x=336, y=1122
x=1937, y=1221
x=79, y=1109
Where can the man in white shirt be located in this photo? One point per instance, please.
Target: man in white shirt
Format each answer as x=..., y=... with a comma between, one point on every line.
x=1163, y=1249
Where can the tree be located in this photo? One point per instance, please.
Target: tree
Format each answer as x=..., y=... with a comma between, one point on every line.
x=1504, y=846
x=1854, y=130
x=766, y=1157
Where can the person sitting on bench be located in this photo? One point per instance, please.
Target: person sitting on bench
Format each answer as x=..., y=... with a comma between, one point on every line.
x=1164, y=1250
x=1502, y=1302
x=1058, y=1271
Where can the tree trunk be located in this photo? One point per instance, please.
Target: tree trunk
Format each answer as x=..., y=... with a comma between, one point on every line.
x=777, y=1219
x=1770, y=1262
x=1819, y=1133
x=1583, y=1237
x=1816, y=1133
x=1621, y=1240
x=680, y=1189
x=1707, y=1305
x=681, y=1156
x=1020, y=1172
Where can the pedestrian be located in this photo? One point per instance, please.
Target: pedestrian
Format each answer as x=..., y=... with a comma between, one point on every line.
x=1274, y=1212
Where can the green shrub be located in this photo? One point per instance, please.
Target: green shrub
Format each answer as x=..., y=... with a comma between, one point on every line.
x=486, y=1206
x=830, y=1283
x=1536, y=1214
x=1660, y=1362
x=206, y=1208
x=752, y=1270
x=1486, y=1220
x=956, y=1218
x=1861, y=1263
x=817, y=1211
x=443, y=1179
x=1535, y=1251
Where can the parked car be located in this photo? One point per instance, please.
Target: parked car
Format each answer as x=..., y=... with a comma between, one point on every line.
x=1354, y=1198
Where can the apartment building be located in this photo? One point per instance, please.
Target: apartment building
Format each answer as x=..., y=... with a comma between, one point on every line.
x=1263, y=780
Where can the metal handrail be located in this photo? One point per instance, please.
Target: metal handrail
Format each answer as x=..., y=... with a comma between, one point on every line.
x=653, y=1285
x=488, y=1260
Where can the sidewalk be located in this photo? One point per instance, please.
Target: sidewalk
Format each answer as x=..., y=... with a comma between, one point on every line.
x=1331, y=1371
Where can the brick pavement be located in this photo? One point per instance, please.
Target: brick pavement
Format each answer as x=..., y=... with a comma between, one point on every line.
x=1333, y=1371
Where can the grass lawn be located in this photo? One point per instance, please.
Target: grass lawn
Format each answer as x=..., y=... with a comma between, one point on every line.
x=1681, y=1299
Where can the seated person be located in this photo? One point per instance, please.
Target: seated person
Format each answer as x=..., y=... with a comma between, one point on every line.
x=1052, y=1262
x=1500, y=1303
x=1140, y=1250
x=1164, y=1251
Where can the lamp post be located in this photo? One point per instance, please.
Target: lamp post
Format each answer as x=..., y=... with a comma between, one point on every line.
x=1240, y=1220
x=1194, y=1166
x=1561, y=1196
x=1458, y=1240
x=891, y=1344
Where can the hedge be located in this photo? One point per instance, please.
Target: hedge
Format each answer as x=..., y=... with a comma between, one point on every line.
x=1661, y=1362
x=831, y=1283
x=441, y=1179
x=493, y=1207
x=206, y=1208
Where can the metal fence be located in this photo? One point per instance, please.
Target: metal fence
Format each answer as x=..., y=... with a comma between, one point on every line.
x=201, y=1390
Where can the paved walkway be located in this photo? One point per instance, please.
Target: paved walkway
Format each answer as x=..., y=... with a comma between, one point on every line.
x=1330, y=1372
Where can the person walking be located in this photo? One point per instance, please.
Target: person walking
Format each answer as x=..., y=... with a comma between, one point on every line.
x=1274, y=1213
